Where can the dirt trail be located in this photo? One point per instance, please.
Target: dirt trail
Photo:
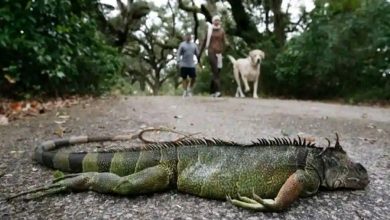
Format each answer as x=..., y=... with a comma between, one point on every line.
x=365, y=133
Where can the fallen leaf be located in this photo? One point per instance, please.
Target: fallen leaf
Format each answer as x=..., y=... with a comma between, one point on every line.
x=32, y=112
x=3, y=120
x=64, y=116
x=60, y=122
x=307, y=137
x=9, y=79
x=59, y=131
x=16, y=106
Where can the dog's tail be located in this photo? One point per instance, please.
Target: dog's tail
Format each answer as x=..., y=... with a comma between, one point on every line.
x=236, y=72
x=231, y=59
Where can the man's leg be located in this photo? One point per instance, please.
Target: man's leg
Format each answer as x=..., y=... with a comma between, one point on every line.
x=192, y=75
x=184, y=82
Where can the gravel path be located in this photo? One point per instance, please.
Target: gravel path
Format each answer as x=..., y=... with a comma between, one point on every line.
x=364, y=134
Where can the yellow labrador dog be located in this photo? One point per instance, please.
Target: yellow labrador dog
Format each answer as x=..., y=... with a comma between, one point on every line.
x=249, y=70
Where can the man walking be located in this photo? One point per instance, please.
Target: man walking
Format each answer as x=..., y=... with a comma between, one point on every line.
x=185, y=59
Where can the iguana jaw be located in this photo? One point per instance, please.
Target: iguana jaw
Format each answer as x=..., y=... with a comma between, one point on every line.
x=346, y=176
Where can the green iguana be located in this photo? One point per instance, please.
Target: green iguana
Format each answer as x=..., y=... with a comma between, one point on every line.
x=267, y=175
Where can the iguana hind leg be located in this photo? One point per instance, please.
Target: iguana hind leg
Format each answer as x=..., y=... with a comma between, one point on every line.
x=149, y=180
x=299, y=183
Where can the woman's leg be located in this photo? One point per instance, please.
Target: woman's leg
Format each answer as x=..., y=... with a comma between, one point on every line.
x=215, y=81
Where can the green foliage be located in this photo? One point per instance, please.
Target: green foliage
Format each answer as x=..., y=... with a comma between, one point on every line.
x=52, y=48
x=340, y=55
x=55, y=48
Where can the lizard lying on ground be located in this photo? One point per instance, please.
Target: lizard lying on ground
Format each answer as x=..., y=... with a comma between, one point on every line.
x=267, y=175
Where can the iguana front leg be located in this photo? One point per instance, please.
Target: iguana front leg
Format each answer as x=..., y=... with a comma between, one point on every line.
x=149, y=180
x=300, y=183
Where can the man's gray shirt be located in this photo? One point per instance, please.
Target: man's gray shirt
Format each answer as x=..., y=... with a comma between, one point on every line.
x=186, y=52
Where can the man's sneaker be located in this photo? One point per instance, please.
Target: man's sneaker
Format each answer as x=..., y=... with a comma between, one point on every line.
x=189, y=93
x=185, y=94
x=217, y=94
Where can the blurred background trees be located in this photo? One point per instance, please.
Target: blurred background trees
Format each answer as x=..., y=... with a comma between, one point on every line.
x=336, y=49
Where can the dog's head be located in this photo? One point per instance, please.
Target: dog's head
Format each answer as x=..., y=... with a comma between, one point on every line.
x=256, y=57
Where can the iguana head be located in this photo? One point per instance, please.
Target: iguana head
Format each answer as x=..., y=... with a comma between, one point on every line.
x=340, y=171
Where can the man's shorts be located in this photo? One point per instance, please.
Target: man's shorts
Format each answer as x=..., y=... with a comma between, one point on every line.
x=187, y=72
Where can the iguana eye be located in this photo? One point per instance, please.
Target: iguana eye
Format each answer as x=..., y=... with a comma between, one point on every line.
x=332, y=162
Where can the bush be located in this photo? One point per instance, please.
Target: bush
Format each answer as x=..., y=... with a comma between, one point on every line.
x=340, y=55
x=52, y=48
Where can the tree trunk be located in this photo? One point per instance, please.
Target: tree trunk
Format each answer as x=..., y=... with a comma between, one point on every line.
x=156, y=88
x=279, y=22
x=245, y=28
x=156, y=83
x=267, y=9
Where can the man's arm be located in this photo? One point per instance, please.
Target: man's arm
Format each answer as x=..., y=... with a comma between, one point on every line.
x=178, y=54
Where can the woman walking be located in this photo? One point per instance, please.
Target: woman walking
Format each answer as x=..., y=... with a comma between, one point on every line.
x=215, y=43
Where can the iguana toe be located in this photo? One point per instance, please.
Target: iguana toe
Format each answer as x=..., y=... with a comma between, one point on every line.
x=246, y=199
x=245, y=202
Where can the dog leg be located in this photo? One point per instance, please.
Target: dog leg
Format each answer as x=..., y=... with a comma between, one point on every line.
x=239, y=92
x=255, y=84
x=246, y=84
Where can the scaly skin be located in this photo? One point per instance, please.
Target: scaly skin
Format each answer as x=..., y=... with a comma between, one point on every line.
x=280, y=170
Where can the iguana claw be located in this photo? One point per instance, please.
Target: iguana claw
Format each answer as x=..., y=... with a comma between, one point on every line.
x=269, y=203
x=245, y=202
x=246, y=199
x=60, y=184
x=228, y=198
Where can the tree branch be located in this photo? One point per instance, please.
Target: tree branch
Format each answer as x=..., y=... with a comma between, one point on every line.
x=194, y=9
x=196, y=21
x=245, y=27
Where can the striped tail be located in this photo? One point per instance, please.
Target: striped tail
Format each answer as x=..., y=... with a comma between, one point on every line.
x=125, y=162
